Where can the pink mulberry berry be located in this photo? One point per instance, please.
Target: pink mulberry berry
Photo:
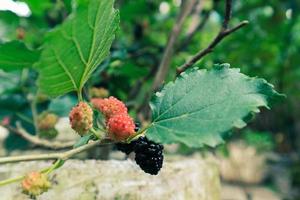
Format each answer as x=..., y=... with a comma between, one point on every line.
x=109, y=106
x=47, y=121
x=35, y=184
x=120, y=127
x=81, y=118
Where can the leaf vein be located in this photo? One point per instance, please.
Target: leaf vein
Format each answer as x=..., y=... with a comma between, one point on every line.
x=62, y=65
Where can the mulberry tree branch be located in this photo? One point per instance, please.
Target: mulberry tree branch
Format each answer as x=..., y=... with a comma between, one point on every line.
x=169, y=50
x=53, y=156
x=224, y=31
x=190, y=35
x=38, y=141
x=163, y=68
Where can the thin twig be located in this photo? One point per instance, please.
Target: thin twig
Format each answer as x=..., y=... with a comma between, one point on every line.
x=13, y=159
x=24, y=118
x=47, y=170
x=51, y=156
x=19, y=178
x=38, y=141
x=11, y=180
x=224, y=31
x=228, y=12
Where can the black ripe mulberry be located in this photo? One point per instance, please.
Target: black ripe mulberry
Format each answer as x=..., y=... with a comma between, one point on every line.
x=137, y=127
x=125, y=148
x=148, y=155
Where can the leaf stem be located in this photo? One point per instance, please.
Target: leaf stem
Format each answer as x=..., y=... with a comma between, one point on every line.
x=56, y=165
x=79, y=95
x=138, y=134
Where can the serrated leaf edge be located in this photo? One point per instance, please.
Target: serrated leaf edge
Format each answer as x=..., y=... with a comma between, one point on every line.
x=238, y=123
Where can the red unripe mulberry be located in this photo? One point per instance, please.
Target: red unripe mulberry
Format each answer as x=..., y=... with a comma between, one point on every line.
x=109, y=106
x=81, y=118
x=120, y=127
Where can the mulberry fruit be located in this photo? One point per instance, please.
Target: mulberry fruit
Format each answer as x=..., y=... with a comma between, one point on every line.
x=35, y=183
x=137, y=127
x=109, y=106
x=148, y=155
x=81, y=118
x=120, y=127
x=47, y=121
x=127, y=148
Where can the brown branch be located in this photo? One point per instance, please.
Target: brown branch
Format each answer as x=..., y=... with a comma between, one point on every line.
x=38, y=141
x=224, y=31
x=190, y=35
x=227, y=16
x=52, y=156
x=169, y=50
x=163, y=68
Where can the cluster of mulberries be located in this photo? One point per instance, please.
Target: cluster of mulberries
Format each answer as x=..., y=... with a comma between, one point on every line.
x=119, y=124
x=148, y=154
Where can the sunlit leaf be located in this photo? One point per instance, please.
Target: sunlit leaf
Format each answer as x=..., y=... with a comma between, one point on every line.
x=73, y=51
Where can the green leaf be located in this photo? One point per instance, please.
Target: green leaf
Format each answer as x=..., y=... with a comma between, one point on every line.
x=83, y=140
x=74, y=50
x=201, y=105
x=15, y=56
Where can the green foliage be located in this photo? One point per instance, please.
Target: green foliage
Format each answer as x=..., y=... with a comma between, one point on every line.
x=262, y=141
x=38, y=7
x=9, y=23
x=201, y=105
x=73, y=51
x=15, y=56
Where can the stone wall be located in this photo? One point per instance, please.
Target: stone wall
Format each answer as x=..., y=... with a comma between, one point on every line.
x=180, y=179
